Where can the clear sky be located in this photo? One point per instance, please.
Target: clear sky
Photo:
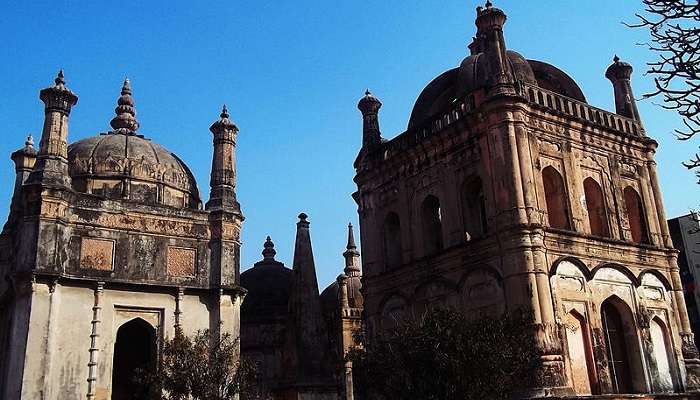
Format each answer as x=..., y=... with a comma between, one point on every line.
x=291, y=73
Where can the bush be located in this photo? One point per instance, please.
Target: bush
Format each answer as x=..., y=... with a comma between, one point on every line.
x=444, y=356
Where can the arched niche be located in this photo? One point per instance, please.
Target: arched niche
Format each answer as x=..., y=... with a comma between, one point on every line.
x=654, y=286
x=595, y=207
x=636, y=215
x=622, y=347
x=482, y=293
x=569, y=275
x=555, y=198
x=473, y=207
x=393, y=248
x=135, y=353
x=436, y=293
x=661, y=348
x=579, y=350
x=431, y=220
x=394, y=310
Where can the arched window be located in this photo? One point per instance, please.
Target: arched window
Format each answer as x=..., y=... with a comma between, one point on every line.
x=432, y=225
x=473, y=209
x=134, y=352
x=555, y=195
x=635, y=215
x=392, y=241
x=595, y=205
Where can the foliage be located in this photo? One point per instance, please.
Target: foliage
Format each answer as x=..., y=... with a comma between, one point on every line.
x=203, y=367
x=444, y=356
x=675, y=38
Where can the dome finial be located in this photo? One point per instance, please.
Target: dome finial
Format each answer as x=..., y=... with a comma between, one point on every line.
x=351, y=238
x=224, y=112
x=616, y=59
x=29, y=143
x=269, y=250
x=125, y=122
x=488, y=4
x=60, y=81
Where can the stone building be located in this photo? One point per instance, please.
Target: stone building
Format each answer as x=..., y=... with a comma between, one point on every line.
x=297, y=337
x=509, y=191
x=108, y=248
x=685, y=234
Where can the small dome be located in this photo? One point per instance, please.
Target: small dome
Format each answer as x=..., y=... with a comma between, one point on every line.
x=128, y=166
x=329, y=296
x=472, y=74
x=268, y=284
x=552, y=78
x=475, y=72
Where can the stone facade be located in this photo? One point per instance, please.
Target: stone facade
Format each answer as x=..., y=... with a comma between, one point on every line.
x=509, y=191
x=107, y=249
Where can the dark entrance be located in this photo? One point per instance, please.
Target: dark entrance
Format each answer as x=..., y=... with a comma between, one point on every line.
x=618, y=360
x=134, y=353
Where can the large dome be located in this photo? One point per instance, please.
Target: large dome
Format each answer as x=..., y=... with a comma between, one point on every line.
x=268, y=284
x=123, y=165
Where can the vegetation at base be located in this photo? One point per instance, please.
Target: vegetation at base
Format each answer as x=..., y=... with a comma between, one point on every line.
x=203, y=367
x=444, y=355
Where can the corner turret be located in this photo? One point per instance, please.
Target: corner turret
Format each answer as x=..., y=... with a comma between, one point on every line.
x=619, y=73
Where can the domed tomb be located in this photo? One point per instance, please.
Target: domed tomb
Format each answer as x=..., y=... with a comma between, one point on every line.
x=124, y=165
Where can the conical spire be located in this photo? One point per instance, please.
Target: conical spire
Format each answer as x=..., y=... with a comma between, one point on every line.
x=125, y=122
x=352, y=256
x=307, y=347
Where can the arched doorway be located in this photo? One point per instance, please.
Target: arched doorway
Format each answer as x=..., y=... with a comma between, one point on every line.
x=578, y=342
x=134, y=351
x=622, y=347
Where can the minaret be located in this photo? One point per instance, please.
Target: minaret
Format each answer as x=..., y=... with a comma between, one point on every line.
x=24, y=160
x=223, y=165
x=490, y=41
x=225, y=216
x=125, y=121
x=307, y=347
x=351, y=255
x=371, y=135
x=619, y=73
x=52, y=162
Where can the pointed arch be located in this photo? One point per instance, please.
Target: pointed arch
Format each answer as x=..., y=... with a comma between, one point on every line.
x=431, y=214
x=662, y=374
x=636, y=215
x=623, y=355
x=595, y=206
x=135, y=351
x=579, y=348
x=556, y=199
x=393, y=249
x=473, y=205
x=394, y=309
x=656, y=273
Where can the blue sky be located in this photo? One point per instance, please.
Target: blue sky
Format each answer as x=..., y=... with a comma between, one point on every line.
x=291, y=73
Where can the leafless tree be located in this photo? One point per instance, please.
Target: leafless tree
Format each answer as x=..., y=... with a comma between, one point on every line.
x=675, y=38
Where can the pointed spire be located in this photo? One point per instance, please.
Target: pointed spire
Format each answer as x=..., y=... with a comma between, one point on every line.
x=352, y=256
x=269, y=251
x=58, y=97
x=60, y=81
x=125, y=122
x=306, y=346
